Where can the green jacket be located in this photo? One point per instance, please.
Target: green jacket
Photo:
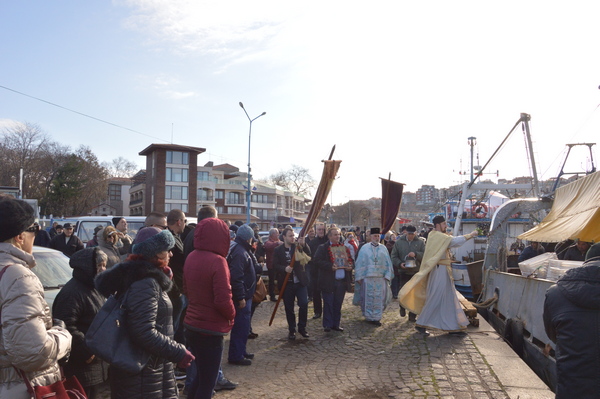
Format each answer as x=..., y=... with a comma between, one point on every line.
x=403, y=247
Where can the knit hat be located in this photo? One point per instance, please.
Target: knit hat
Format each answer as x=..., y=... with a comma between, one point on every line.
x=16, y=216
x=245, y=232
x=116, y=221
x=151, y=241
x=593, y=252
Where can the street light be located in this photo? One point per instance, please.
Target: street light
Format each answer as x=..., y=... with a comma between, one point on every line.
x=249, y=189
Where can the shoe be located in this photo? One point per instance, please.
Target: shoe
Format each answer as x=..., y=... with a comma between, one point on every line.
x=180, y=374
x=395, y=297
x=458, y=333
x=422, y=330
x=243, y=362
x=249, y=356
x=304, y=334
x=317, y=316
x=412, y=317
x=225, y=384
x=273, y=299
x=340, y=329
x=375, y=323
x=327, y=329
x=292, y=336
x=402, y=312
x=252, y=335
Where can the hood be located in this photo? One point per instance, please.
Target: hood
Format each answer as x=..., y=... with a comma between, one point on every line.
x=83, y=263
x=212, y=235
x=581, y=285
x=120, y=277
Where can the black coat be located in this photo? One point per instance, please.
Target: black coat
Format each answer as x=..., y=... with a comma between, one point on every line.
x=77, y=304
x=242, y=270
x=572, y=321
x=68, y=248
x=313, y=269
x=149, y=324
x=326, y=281
x=280, y=262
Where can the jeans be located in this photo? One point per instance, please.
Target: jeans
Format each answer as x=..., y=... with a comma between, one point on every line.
x=271, y=274
x=332, y=309
x=239, y=333
x=208, y=350
x=293, y=291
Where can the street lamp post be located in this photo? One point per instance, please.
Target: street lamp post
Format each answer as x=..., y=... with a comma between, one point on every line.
x=249, y=188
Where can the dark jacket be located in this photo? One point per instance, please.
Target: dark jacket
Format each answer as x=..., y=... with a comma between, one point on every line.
x=242, y=270
x=280, y=262
x=149, y=324
x=42, y=239
x=529, y=252
x=176, y=264
x=572, y=321
x=77, y=304
x=206, y=280
x=313, y=269
x=68, y=248
x=326, y=282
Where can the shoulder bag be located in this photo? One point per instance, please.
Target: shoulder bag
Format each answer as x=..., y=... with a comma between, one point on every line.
x=108, y=338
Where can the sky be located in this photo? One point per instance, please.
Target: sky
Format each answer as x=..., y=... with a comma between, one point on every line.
x=397, y=86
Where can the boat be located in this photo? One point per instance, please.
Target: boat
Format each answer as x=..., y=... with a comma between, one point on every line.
x=512, y=303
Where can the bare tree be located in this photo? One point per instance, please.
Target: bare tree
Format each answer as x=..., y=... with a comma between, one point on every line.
x=296, y=179
x=121, y=167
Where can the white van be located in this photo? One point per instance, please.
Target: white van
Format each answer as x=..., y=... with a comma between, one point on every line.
x=84, y=225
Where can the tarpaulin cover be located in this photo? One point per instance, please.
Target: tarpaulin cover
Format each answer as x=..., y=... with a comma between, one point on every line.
x=575, y=213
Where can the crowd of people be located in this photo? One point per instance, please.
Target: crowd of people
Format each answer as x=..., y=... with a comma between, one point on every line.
x=186, y=287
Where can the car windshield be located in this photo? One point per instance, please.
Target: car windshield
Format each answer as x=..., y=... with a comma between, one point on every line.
x=86, y=229
x=52, y=268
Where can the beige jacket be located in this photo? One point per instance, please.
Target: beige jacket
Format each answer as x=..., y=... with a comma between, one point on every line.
x=27, y=339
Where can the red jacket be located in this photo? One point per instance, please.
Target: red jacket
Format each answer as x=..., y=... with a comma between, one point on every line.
x=206, y=280
x=270, y=246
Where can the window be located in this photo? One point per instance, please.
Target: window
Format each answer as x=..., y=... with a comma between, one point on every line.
x=176, y=174
x=235, y=209
x=260, y=198
x=178, y=157
x=176, y=192
x=219, y=194
x=233, y=198
x=203, y=176
x=261, y=213
x=169, y=206
x=220, y=209
x=203, y=195
x=114, y=192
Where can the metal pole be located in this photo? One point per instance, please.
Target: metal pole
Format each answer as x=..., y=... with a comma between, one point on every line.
x=249, y=188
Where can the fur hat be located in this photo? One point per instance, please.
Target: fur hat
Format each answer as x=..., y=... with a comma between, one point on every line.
x=151, y=241
x=16, y=216
x=245, y=232
x=593, y=252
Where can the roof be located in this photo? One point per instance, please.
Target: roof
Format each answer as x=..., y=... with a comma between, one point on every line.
x=575, y=213
x=171, y=147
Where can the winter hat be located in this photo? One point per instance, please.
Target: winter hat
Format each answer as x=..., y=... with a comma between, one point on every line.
x=151, y=241
x=16, y=216
x=233, y=228
x=593, y=252
x=245, y=232
x=116, y=221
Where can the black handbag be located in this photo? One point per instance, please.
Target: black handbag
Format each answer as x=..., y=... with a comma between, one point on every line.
x=108, y=338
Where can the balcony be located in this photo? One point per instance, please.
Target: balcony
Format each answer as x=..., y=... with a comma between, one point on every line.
x=136, y=202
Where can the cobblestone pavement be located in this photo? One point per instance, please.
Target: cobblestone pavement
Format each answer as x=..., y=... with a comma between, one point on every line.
x=363, y=361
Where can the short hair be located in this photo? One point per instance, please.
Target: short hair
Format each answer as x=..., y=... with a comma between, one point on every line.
x=100, y=256
x=154, y=218
x=331, y=229
x=273, y=232
x=174, y=216
x=438, y=219
x=207, y=212
x=285, y=231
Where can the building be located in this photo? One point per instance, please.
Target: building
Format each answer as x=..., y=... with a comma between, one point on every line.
x=427, y=195
x=173, y=180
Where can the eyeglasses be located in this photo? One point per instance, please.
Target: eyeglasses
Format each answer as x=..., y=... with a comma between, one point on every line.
x=32, y=229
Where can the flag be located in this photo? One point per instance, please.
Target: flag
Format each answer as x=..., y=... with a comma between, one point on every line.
x=391, y=198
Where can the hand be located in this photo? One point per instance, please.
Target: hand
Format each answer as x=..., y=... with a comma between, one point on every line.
x=402, y=265
x=59, y=323
x=412, y=255
x=474, y=234
x=301, y=241
x=242, y=303
x=186, y=361
x=288, y=269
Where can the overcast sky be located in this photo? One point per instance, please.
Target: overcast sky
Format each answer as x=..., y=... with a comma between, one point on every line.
x=397, y=86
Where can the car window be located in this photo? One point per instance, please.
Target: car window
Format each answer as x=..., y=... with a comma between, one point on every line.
x=52, y=268
x=85, y=230
x=133, y=228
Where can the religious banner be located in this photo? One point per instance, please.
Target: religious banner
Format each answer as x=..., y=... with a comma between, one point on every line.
x=391, y=198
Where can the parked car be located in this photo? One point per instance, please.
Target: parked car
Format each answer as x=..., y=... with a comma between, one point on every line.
x=53, y=269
